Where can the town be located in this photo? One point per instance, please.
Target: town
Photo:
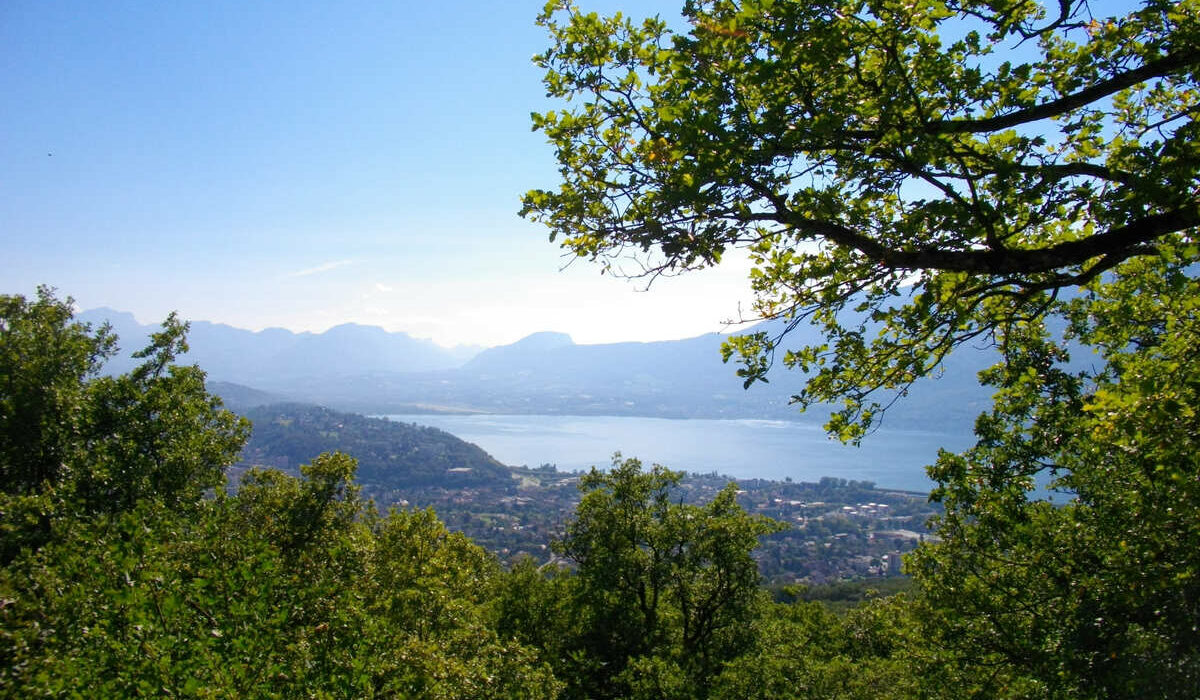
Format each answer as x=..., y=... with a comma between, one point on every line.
x=838, y=529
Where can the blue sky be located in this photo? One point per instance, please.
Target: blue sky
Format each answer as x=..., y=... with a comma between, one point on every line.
x=303, y=165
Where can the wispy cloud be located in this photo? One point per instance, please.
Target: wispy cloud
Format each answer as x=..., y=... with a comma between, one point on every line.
x=324, y=267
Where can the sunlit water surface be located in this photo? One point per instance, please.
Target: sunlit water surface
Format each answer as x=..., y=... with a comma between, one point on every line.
x=737, y=448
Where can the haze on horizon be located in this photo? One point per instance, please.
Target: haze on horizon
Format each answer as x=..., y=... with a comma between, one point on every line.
x=304, y=166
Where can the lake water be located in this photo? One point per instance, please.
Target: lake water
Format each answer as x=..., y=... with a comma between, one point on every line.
x=737, y=448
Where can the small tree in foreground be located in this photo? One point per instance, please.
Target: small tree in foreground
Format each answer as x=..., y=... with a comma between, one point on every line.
x=664, y=590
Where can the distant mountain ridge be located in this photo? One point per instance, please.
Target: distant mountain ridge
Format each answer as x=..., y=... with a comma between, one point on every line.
x=369, y=370
x=276, y=359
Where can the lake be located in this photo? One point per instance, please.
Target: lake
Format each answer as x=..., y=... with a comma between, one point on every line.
x=746, y=449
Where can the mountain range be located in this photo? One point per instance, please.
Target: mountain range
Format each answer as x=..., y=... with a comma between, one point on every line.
x=277, y=358
x=369, y=370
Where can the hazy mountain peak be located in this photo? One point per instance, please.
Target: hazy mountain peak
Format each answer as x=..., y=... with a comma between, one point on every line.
x=544, y=340
x=102, y=314
x=523, y=354
x=355, y=331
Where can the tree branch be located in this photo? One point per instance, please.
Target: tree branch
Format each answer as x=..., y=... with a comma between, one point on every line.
x=1154, y=69
x=1117, y=244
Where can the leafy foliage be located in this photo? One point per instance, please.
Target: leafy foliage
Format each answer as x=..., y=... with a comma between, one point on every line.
x=291, y=587
x=662, y=589
x=46, y=361
x=72, y=441
x=1097, y=597
x=126, y=573
x=912, y=176
x=909, y=175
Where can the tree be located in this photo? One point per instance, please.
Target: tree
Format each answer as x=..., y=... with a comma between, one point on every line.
x=907, y=175
x=805, y=650
x=46, y=361
x=156, y=432
x=910, y=177
x=1098, y=595
x=665, y=590
x=125, y=572
x=73, y=441
x=289, y=587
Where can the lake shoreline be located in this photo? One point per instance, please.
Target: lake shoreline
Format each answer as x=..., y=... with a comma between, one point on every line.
x=740, y=448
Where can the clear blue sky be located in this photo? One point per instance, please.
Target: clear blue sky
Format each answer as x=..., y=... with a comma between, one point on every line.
x=303, y=165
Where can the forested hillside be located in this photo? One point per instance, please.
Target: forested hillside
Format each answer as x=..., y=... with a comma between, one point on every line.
x=390, y=455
